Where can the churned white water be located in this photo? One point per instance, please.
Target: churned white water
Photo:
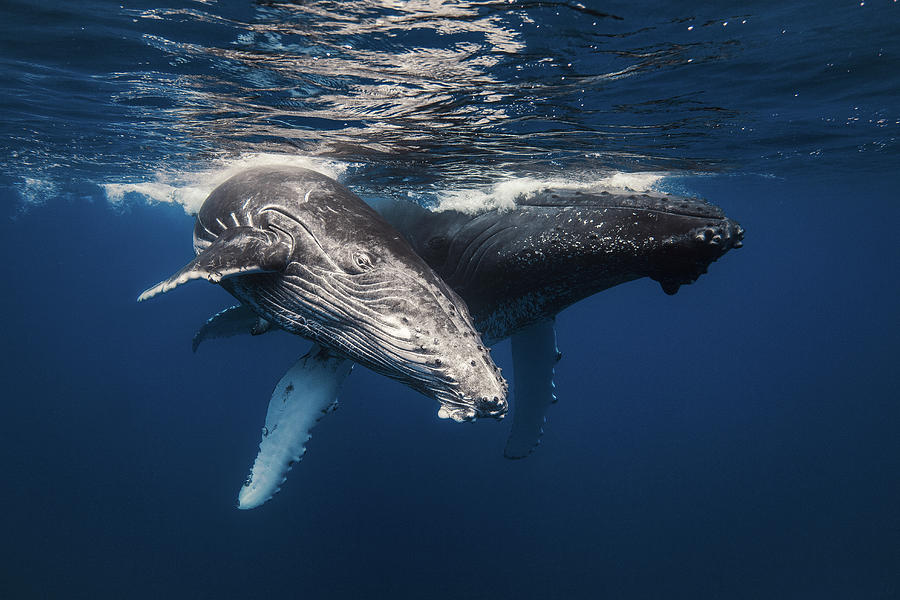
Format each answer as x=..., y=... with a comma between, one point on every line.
x=503, y=195
x=190, y=188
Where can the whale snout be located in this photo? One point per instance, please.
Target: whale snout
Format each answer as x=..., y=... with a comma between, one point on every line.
x=440, y=353
x=494, y=407
x=478, y=391
x=478, y=395
x=724, y=235
x=491, y=407
x=689, y=255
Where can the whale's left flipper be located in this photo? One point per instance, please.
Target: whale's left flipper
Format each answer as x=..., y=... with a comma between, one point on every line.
x=237, y=251
x=306, y=393
x=232, y=321
x=534, y=356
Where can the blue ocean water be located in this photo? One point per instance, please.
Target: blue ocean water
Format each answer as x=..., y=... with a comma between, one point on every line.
x=736, y=440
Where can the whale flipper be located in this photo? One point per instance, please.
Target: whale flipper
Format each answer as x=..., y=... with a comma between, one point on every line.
x=232, y=321
x=306, y=393
x=534, y=356
x=237, y=251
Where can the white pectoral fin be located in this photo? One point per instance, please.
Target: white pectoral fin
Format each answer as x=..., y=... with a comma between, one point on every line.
x=237, y=320
x=237, y=251
x=534, y=357
x=306, y=393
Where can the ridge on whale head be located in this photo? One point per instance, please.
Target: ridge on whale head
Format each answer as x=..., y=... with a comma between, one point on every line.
x=558, y=246
x=308, y=255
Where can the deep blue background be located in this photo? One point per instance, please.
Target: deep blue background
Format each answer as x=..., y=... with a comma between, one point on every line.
x=737, y=440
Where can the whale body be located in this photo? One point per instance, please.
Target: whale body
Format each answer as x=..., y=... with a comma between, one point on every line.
x=518, y=268
x=306, y=255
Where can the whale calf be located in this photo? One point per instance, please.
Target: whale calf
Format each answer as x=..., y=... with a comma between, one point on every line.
x=306, y=255
x=517, y=268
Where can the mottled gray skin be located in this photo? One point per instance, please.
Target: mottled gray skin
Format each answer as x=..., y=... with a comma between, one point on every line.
x=519, y=266
x=325, y=266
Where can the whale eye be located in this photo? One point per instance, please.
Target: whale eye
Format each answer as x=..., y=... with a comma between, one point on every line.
x=437, y=243
x=362, y=260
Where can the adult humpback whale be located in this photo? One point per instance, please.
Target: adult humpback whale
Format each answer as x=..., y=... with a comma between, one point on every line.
x=308, y=256
x=515, y=267
x=518, y=268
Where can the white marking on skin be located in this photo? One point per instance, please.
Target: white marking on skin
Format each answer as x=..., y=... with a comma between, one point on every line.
x=306, y=197
x=235, y=219
x=221, y=224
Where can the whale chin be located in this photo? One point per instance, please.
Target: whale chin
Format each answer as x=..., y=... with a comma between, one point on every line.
x=402, y=326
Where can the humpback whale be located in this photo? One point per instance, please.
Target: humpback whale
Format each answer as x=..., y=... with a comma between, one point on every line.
x=517, y=268
x=306, y=255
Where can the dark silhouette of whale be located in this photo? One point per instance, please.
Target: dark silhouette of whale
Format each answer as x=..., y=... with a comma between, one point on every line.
x=517, y=268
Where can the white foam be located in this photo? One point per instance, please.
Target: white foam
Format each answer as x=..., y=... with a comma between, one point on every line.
x=190, y=188
x=37, y=191
x=503, y=195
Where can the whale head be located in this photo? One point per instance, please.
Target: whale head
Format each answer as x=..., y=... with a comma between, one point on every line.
x=670, y=239
x=558, y=246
